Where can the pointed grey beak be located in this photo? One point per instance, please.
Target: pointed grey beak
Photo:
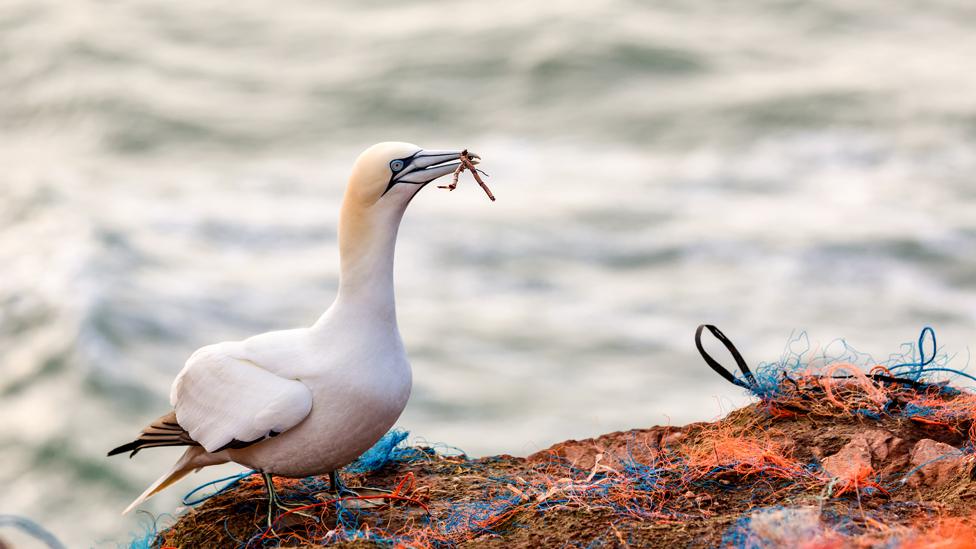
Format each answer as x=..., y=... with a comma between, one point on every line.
x=427, y=166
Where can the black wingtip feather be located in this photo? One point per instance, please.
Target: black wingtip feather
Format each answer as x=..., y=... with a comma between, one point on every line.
x=130, y=447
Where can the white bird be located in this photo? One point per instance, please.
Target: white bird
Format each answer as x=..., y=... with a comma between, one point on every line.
x=309, y=401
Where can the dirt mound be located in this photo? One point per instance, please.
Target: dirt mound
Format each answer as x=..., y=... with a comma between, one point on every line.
x=857, y=481
x=839, y=456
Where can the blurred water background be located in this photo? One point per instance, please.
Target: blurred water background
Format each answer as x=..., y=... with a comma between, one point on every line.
x=170, y=174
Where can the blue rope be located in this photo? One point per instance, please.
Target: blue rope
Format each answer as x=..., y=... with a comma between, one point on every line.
x=31, y=528
x=384, y=451
x=950, y=370
x=918, y=368
x=234, y=479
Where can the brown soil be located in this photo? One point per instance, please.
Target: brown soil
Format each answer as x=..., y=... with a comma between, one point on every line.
x=587, y=494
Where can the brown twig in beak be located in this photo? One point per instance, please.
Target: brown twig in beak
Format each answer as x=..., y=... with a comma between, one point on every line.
x=467, y=163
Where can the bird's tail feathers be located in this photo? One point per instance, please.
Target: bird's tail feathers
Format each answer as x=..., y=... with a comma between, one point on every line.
x=193, y=460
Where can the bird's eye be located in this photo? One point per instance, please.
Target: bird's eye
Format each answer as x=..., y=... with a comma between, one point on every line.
x=396, y=165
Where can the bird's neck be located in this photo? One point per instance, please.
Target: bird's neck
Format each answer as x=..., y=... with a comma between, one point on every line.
x=367, y=242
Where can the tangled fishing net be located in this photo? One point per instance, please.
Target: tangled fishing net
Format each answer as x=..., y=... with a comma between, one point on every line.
x=839, y=451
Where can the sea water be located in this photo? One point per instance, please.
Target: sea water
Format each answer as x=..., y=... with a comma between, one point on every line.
x=170, y=175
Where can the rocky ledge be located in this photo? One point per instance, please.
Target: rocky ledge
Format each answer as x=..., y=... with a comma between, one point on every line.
x=785, y=472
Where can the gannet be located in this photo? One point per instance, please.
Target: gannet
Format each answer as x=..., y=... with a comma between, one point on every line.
x=309, y=401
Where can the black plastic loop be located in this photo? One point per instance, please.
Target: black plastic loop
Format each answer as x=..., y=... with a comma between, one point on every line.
x=736, y=355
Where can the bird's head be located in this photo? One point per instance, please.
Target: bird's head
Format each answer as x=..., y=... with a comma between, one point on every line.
x=395, y=171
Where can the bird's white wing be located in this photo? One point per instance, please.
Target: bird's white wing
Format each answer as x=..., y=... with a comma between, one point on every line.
x=223, y=400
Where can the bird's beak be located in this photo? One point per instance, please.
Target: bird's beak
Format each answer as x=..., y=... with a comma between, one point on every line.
x=427, y=166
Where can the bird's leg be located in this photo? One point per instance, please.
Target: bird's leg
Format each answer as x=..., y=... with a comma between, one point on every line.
x=272, y=497
x=336, y=485
x=276, y=503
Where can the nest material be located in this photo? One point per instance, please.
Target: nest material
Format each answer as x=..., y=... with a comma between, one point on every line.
x=706, y=484
x=468, y=162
